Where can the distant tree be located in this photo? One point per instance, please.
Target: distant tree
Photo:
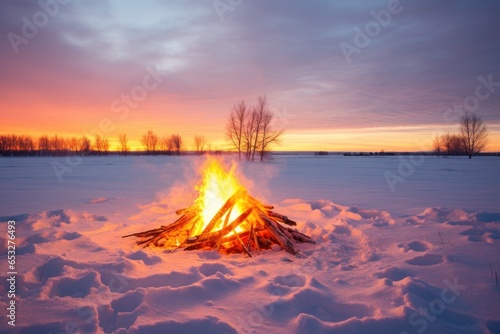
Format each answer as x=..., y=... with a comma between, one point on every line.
x=174, y=144
x=457, y=144
x=57, y=145
x=474, y=133
x=4, y=145
x=446, y=142
x=25, y=145
x=453, y=144
x=199, y=143
x=170, y=145
x=43, y=145
x=163, y=145
x=85, y=145
x=269, y=135
x=123, y=141
x=73, y=144
x=11, y=144
x=235, y=128
x=105, y=146
x=98, y=144
x=437, y=146
x=150, y=142
x=101, y=145
x=259, y=113
x=252, y=132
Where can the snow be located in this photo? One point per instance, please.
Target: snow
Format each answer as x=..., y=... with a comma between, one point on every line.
x=416, y=260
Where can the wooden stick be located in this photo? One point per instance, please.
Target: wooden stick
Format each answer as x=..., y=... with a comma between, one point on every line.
x=193, y=226
x=266, y=243
x=284, y=219
x=226, y=221
x=229, y=203
x=144, y=234
x=192, y=208
x=300, y=237
x=181, y=222
x=153, y=240
x=250, y=236
x=281, y=237
x=242, y=244
x=210, y=238
x=232, y=238
x=255, y=240
x=178, y=223
x=256, y=202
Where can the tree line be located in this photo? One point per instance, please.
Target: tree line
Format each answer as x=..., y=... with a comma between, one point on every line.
x=250, y=132
x=470, y=140
x=25, y=145
x=172, y=144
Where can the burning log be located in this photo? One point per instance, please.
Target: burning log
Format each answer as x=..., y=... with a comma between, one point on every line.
x=277, y=233
x=225, y=218
x=282, y=218
x=222, y=211
x=262, y=229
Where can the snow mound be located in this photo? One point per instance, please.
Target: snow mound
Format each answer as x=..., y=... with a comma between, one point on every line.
x=369, y=271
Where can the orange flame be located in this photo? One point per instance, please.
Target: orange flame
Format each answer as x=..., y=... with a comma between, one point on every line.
x=217, y=186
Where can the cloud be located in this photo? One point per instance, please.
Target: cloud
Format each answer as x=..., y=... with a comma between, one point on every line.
x=424, y=61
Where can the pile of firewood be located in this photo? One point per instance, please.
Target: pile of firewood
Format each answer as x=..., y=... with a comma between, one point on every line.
x=260, y=228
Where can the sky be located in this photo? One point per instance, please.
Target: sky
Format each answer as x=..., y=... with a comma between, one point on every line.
x=339, y=75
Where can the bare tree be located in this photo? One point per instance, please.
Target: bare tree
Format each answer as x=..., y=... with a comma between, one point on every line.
x=252, y=132
x=150, y=142
x=249, y=134
x=56, y=145
x=26, y=145
x=446, y=142
x=163, y=145
x=474, y=133
x=453, y=144
x=73, y=144
x=85, y=146
x=175, y=144
x=437, y=146
x=199, y=143
x=11, y=144
x=98, y=144
x=123, y=140
x=235, y=128
x=259, y=112
x=101, y=145
x=105, y=146
x=269, y=135
x=43, y=145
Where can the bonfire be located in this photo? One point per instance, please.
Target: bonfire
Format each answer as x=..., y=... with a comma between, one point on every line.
x=225, y=218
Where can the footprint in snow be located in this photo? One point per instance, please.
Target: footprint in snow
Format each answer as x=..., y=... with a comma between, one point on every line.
x=426, y=260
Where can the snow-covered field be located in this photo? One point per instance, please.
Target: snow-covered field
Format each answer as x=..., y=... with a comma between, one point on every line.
x=416, y=258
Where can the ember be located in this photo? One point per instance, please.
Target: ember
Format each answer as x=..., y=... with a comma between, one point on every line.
x=226, y=218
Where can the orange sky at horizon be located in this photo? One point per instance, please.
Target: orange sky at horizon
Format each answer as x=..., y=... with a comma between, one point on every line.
x=176, y=68
x=398, y=139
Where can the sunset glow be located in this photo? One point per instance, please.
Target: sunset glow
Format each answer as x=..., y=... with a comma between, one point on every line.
x=179, y=67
